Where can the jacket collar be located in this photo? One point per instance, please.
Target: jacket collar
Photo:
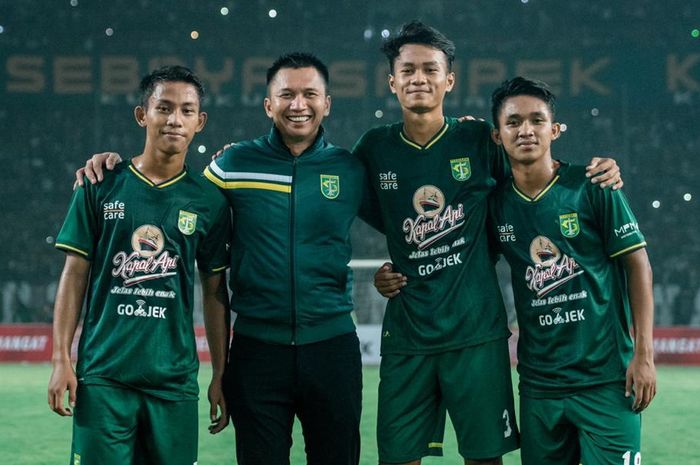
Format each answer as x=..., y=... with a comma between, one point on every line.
x=275, y=140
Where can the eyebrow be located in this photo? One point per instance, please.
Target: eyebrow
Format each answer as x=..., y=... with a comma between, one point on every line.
x=411, y=63
x=170, y=102
x=518, y=115
x=305, y=89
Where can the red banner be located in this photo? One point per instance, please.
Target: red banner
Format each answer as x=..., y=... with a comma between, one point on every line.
x=32, y=343
x=677, y=345
x=25, y=343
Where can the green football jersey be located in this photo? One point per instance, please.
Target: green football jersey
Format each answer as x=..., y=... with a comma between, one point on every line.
x=433, y=203
x=570, y=290
x=142, y=241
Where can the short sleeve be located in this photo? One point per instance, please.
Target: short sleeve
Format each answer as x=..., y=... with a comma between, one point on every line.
x=621, y=233
x=213, y=250
x=79, y=231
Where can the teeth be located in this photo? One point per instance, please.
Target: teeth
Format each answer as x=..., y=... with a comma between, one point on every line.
x=299, y=119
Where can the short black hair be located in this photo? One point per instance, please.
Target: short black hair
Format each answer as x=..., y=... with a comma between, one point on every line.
x=520, y=86
x=174, y=73
x=298, y=60
x=416, y=32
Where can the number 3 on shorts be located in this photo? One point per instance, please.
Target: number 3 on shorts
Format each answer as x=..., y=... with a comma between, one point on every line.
x=508, y=431
x=626, y=458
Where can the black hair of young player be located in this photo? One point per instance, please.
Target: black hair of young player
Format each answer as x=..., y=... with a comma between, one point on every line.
x=296, y=60
x=520, y=86
x=169, y=74
x=416, y=32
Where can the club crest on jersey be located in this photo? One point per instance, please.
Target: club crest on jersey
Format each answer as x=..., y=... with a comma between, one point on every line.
x=461, y=168
x=568, y=225
x=330, y=186
x=187, y=222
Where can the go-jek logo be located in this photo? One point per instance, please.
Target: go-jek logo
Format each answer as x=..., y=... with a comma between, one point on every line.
x=141, y=310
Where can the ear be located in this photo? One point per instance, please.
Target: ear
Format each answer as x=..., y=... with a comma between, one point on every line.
x=140, y=115
x=391, y=84
x=202, y=121
x=327, y=110
x=556, y=131
x=267, y=105
x=496, y=136
x=450, y=81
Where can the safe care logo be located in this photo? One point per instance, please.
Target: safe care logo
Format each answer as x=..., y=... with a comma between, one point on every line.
x=434, y=219
x=148, y=260
x=551, y=268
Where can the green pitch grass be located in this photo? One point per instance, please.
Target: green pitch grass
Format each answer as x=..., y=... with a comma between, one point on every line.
x=30, y=434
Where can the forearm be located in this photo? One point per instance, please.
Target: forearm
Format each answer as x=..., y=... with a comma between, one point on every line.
x=640, y=288
x=216, y=321
x=69, y=302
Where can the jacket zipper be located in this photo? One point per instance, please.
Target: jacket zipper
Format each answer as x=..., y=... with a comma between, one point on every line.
x=292, y=274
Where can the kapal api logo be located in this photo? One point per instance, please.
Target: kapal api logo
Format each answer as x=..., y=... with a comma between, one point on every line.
x=428, y=201
x=148, y=260
x=435, y=219
x=551, y=267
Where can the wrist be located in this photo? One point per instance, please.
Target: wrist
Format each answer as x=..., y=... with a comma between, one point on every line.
x=644, y=352
x=60, y=359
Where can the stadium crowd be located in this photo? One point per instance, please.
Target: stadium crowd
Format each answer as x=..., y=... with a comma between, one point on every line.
x=47, y=134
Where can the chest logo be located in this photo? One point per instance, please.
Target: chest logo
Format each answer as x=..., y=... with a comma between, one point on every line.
x=428, y=201
x=461, y=168
x=435, y=218
x=147, y=240
x=187, y=222
x=330, y=186
x=148, y=259
x=551, y=269
x=113, y=210
x=568, y=225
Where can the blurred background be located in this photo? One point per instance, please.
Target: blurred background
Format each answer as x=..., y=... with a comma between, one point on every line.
x=627, y=74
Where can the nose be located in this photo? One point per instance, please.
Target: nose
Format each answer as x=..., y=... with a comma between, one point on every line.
x=175, y=118
x=298, y=103
x=526, y=129
x=418, y=77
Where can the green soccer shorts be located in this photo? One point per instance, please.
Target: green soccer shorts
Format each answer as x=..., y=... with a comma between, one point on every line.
x=117, y=426
x=472, y=384
x=595, y=426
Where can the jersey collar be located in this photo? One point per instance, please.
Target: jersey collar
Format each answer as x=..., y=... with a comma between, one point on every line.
x=430, y=143
x=562, y=168
x=166, y=183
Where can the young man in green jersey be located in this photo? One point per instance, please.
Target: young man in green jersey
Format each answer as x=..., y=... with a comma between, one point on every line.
x=131, y=243
x=444, y=336
x=582, y=281
x=295, y=351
